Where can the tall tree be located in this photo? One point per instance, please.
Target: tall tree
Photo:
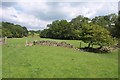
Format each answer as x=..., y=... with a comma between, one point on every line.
x=95, y=35
x=107, y=21
x=76, y=24
x=58, y=29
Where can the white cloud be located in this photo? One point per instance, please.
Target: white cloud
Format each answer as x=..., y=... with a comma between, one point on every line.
x=89, y=9
x=36, y=15
x=33, y=6
x=30, y=21
x=61, y=0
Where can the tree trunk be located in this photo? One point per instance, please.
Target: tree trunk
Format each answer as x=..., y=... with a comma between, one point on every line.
x=89, y=45
x=100, y=47
x=80, y=44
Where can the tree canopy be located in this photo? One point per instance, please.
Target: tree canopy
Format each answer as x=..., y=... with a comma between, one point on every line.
x=99, y=30
x=96, y=35
x=116, y=29
x=58, y=29
x=13, y=30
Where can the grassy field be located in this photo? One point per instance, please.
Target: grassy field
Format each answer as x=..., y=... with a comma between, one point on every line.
x=0, y=61
x=55, y=62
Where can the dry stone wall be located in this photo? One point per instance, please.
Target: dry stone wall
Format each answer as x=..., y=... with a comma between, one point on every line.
x=54, y=43
x=2, y=41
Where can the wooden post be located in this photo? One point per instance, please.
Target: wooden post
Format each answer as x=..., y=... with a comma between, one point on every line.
x=5, y=39
x=80, y=44
x=26, y=41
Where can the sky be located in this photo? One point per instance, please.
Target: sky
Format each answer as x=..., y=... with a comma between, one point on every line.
x=119, y=5
x=36, y=14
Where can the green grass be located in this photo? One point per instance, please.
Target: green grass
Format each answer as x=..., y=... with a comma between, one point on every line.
x=0, y=62
x=55, y=62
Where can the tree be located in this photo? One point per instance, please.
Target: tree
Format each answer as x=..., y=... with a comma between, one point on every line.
x=45, y=34
x=58, y=29
x=95, y=35
x=12, y=30
x=25, y=31
x=107, y=21
x=116, y=29
x=6, y=32
x=76, y=25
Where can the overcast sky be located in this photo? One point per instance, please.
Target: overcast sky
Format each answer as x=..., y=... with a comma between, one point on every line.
x=36, y=15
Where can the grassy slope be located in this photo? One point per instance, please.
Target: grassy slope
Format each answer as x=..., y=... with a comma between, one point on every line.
x=45, y=61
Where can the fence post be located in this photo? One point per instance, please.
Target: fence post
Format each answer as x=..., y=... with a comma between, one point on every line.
x=80, y=44
x=5, y=40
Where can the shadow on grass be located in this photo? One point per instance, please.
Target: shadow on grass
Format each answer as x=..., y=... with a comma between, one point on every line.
x=94, y=50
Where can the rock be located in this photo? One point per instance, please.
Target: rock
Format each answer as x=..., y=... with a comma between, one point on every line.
x=54, y=43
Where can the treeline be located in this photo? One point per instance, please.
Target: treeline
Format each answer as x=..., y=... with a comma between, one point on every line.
x=62, y=29
x=34, y=33
x=11, y=30
x=117, y=27
x=100, y=30
x=0, y=29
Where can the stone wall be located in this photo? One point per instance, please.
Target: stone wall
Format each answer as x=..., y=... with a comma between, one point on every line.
x=1, y=41
x=54, y=43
